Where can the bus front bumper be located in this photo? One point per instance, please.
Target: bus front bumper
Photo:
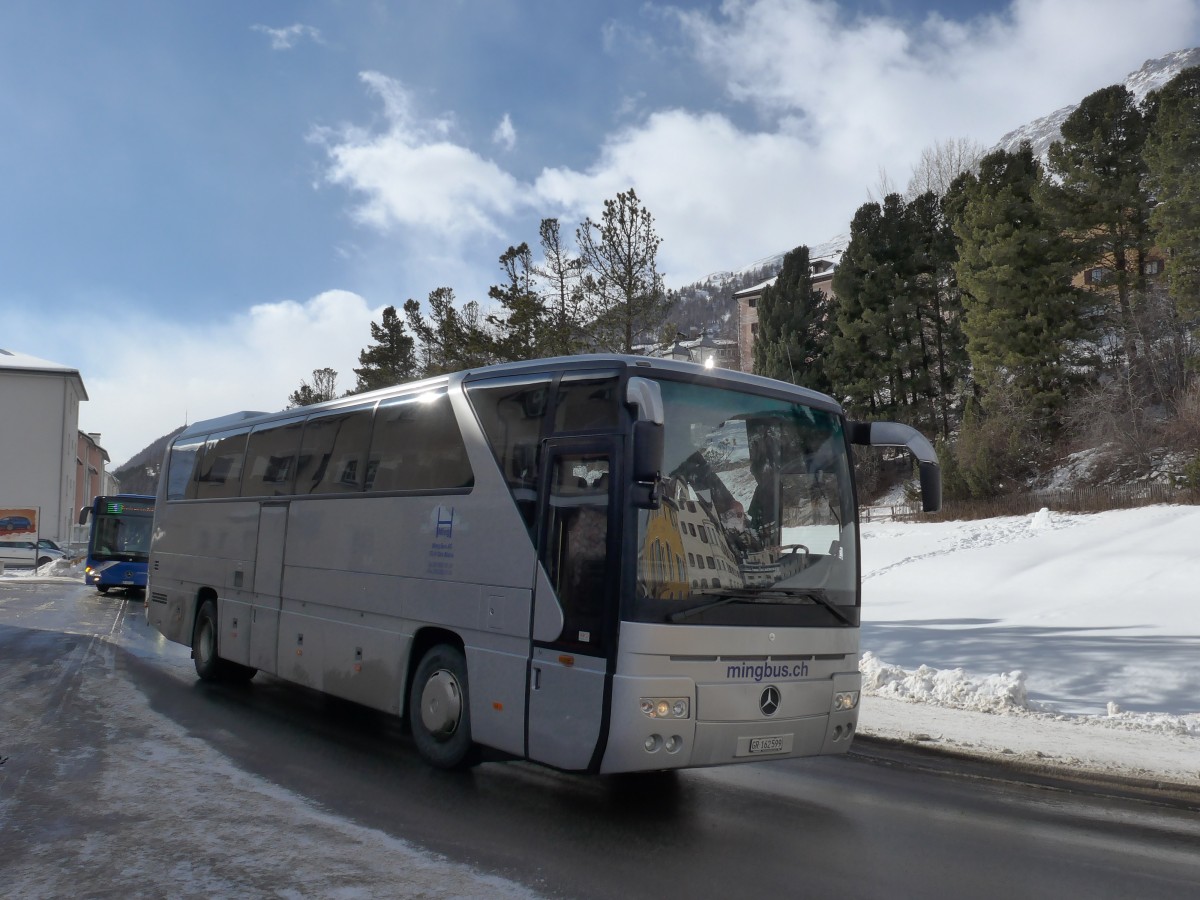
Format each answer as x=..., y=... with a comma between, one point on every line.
x=731, y=723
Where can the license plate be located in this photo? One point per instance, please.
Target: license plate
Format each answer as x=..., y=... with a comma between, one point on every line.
x=766, y=745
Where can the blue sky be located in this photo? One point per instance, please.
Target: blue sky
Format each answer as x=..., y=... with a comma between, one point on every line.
x=238, y=189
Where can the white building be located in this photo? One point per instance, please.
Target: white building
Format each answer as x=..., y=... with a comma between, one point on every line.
x=39, y=439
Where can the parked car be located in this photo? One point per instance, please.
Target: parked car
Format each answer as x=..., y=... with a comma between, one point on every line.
x=47, y=544
x=26, y=553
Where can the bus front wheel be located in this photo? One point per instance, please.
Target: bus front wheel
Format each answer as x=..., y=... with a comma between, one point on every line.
x=439, y=709
x=102, y=588
x=209, y=665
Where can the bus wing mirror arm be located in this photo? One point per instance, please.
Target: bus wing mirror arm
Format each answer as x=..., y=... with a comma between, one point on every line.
x=893, y=434
x=647, y=464
x=646, y=397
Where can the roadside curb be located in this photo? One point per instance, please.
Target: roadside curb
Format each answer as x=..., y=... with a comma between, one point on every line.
x=894, y=752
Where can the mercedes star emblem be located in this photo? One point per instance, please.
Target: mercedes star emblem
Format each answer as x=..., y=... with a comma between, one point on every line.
x=768, y=703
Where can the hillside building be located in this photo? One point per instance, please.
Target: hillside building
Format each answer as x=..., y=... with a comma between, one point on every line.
x=746, y=299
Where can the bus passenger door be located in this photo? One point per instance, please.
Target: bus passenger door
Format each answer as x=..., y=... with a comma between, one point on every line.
x=577, y=535
x=268, y=585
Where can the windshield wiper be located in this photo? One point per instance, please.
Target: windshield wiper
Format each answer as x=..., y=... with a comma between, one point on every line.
x=765, y=595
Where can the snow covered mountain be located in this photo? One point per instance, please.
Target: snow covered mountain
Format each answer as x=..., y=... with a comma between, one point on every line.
x=1155, y=73
x=708, y=305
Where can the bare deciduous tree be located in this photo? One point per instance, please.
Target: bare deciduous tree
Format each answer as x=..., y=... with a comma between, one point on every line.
x=941, y=164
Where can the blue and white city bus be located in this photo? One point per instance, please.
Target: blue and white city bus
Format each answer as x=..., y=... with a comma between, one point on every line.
x=118, y=541
x=600, y=563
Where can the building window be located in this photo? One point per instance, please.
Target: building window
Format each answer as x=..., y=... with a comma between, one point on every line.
x=1152, y=267
x=752, y=302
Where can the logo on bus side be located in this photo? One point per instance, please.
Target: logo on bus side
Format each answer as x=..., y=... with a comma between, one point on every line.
x=441, y=550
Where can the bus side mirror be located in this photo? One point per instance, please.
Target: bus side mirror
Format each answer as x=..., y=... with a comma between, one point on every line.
x=893, y=434
x=647, y=464
x=647, y=451
x=83, y=515
x=646, y=397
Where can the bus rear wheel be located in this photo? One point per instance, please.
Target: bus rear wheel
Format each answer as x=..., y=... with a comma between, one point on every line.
x=209, y=665
x=439, y=710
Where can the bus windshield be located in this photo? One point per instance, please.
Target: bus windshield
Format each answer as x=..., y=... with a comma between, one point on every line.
x=756, y=525
x=123, y=538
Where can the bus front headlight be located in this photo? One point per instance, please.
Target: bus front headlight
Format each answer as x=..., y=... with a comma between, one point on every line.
x=845, y=700
x=667, y=707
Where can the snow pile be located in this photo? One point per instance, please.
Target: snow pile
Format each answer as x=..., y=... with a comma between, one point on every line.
x=952, y=688
x=1164, y=723
x=58, y=568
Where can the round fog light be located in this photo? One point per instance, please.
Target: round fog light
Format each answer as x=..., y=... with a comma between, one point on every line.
x=653, y=743
x=673, y=743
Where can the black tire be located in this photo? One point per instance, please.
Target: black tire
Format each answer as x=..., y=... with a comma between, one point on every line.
x=209, y=665
x=102, y=588
x=43, y=561
x=439, y=710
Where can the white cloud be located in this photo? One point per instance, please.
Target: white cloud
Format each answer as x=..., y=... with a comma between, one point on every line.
x=287, y=38
x=413, y=175
x=505, y=134
x=733, y=197
x=835, y=100
x=252, y=360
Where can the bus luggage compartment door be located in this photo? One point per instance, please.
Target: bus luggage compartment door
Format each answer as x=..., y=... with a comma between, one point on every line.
x=268, y=583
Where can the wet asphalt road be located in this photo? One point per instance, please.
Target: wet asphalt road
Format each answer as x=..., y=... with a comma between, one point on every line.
x=91, y=703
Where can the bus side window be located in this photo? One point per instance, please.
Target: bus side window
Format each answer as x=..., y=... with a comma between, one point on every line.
x=512, y=412
x=576, y=556
x=587, y=404
x=417, y=446
x=220, y=471
x=333, y=455
x=271, y=460
x=181, y=469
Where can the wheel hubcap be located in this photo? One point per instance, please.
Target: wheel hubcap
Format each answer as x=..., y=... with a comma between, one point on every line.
x=441, y=704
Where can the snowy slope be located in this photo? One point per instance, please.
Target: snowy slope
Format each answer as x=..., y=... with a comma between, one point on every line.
x=1057, y=637
x=1155, y=73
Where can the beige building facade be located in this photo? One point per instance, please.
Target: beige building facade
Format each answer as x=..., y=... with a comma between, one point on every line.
x=40, y=440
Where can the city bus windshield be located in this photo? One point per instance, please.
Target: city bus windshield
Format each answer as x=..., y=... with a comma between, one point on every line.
x=122, y=538
x=756, y=524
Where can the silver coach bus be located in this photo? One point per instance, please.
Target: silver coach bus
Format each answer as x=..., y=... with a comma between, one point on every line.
x=601, y=563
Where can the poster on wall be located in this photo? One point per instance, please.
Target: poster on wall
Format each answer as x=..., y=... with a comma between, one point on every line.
x=18, y=521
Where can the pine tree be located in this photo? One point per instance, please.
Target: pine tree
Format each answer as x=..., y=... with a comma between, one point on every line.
x=939, y=304
x=1172, y=156
x=451, y=340
x=879, y=361
x=622, y=285
x=390, y=360
x=1020, y=313
x=1100, y=202
x=793, y=321
x=521, y=331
